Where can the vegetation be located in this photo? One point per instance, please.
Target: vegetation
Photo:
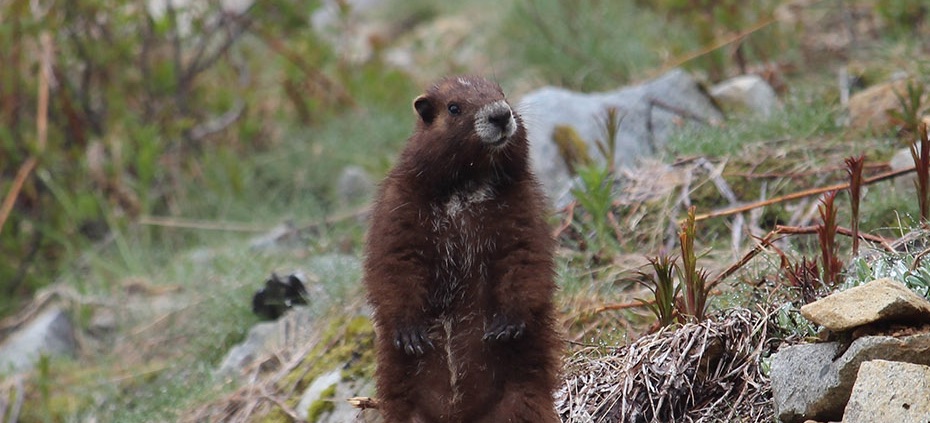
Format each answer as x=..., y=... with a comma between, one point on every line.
x=142, y=147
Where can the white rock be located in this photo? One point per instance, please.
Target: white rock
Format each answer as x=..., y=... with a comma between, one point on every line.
x=746, y=93
x=50, y=334
x=315, y=390
x=890, y=391
x=354, y=185
x=651, y=112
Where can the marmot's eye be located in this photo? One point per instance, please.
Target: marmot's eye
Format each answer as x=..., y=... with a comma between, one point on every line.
x=455, y=109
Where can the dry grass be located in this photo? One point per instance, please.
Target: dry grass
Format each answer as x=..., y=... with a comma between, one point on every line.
x=706, y=372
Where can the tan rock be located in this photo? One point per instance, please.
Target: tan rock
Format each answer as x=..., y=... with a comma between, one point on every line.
x=876, y=301
x=890, y=391
x=869, y=108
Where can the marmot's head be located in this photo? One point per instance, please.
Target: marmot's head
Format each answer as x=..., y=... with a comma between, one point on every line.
x=467, y=106
x=467, y=129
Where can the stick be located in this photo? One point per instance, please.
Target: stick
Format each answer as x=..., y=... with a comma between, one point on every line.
x=763, y=242
x=714, y=47
x=800, y=230
x=170, y=222
x=623, y=306
x=41, y=130
x=10, y=200
x=801, y=194
x=569, y=216
x=363, y=403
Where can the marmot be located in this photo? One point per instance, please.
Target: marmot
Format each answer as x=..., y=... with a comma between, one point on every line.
x=459, y=268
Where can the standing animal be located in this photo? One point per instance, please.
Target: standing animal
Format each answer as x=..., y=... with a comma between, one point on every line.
x=459, y=268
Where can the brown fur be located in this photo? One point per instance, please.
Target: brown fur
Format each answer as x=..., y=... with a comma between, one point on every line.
x=459, y=272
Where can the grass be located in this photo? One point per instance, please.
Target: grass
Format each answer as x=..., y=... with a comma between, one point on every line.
x=164, y=357
x=800, y=119
x=168, y=348
x=577, y=45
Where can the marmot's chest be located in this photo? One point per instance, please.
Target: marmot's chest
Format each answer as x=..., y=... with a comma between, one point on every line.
x=462, y=229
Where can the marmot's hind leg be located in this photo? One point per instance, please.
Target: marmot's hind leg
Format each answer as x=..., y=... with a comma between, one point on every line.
x=523, y=403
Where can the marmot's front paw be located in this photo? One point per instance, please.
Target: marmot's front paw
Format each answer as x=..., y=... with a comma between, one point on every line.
x=412, y=339
x=504, y=329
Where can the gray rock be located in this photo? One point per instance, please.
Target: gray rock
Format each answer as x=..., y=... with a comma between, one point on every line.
x=267, y=338
x=256, y=344
x=808, y=383
x=879, y=300
x=354, y=186
x=902, y=160
x=50, y=334
x=651, y=112
x=890, y=391
x=315, y=391
x=746, y=94
x=339, y=391
x=283, y=235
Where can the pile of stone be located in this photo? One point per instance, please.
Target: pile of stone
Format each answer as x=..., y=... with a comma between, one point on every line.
x=877, y=368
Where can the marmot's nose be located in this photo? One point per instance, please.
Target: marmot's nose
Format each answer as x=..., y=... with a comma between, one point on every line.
x=501, y=119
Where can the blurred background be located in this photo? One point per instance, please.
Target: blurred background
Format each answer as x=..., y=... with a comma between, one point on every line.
x=135, y=132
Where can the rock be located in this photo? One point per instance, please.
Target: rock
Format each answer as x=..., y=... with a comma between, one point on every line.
x=868, y=109
x=324, y=400
x=245, y=353
x=880, y=300
x=808, y=383
x=348, y=25
x=264, y=339
x=315, y=391
x=890, y=391
x=283, y=235
x=902, y=160
x=650, y=113
x=50, y=334
x=103, y=323
x=745, y=93
x=354, y=186
x=457, y=39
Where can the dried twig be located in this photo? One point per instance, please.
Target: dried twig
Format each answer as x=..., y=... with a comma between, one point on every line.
x=41, y=130
x=363, y=403
x=623, y=306
x=182, y=223
x=763, y=243
x=284, y=408
x=804, y=230
x=801, y=194
x=569, y=211
x=673, y=375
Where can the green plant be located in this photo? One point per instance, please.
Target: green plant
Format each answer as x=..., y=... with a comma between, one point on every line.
x=597, y=181
x=694, y=280
x=712, y=22
x=920, y=153
x=661, y=282
x=577, y=45
x=902, y=16
x=911, y=105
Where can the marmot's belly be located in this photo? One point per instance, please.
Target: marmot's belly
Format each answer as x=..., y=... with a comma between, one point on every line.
x=462, y=369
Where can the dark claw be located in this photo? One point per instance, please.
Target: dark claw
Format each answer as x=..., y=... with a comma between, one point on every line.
x=503, y=330
x=411, y=340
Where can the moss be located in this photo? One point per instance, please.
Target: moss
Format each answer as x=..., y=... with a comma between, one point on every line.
x=346, y=341
x=322, y=405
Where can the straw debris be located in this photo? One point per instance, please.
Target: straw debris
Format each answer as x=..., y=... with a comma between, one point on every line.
x=698, y=372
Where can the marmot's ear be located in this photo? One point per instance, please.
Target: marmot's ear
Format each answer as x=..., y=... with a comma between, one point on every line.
x=425, y=109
